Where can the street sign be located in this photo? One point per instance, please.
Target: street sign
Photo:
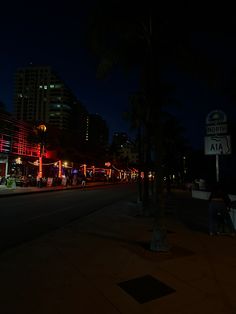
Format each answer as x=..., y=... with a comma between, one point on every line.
x=217, y=145
x=216, y=117
x=216, y=129
x=217, y=141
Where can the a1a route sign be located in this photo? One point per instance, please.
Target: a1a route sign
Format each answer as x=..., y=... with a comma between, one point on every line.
x=217, y=145
x=216, y=117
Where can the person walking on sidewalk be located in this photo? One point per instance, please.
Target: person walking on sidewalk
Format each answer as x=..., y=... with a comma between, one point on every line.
x=219, y=206
x=83, y=181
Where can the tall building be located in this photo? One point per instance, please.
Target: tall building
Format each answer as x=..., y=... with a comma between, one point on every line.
x=97, y=131
x=40, y=95
x=119, y=140
x=123, y=148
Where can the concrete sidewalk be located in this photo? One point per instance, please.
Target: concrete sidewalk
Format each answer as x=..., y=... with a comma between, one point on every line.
x=101, y=264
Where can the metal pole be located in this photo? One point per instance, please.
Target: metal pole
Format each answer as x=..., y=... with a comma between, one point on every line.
x=217, y=168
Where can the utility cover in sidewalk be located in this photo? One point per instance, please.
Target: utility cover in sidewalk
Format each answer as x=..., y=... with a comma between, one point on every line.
x=146, y=288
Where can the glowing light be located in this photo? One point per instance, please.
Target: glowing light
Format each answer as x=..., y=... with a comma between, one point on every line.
x=59, y=169
x=84, y=169
x=18, y=161
x=40, y=173
x=17, y=142
x=42, y=127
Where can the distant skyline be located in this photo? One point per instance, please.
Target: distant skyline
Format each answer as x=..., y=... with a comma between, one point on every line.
x=108, y=98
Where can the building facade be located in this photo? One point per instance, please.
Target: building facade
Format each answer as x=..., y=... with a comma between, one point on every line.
x=15, y=144
x=97, y=134
x=40, y=95
x=123, y=149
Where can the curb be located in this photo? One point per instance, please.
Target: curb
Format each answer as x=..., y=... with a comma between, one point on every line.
x=52, y=190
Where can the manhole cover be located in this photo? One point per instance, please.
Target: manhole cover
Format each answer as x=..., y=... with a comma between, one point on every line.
x=146, y=288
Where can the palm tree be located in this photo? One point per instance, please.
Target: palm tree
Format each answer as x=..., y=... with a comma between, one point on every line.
x=139, y=37
x=128, y=37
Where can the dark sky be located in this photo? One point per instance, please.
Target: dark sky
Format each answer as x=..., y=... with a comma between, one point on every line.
x=52, y=33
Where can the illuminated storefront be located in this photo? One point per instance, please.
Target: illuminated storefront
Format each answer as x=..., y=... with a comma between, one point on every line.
x=15, y=143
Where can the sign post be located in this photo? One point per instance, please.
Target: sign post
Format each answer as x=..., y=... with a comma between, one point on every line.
x=217, y=169
x=217, y=141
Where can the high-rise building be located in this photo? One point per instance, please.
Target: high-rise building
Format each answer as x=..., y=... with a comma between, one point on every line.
x=97, y=131
x=40, y=95
x=123, y=148
x=119, y=140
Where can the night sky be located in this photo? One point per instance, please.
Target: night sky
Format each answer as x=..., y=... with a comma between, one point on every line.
x=52, y=33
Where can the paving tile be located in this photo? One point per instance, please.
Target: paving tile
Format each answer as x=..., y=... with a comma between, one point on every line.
x=145, y=288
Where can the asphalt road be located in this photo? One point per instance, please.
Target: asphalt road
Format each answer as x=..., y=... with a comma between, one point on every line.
x=25, y=217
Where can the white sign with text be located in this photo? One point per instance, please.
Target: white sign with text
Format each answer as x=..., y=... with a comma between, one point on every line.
x=217, y=145
x=216, y=129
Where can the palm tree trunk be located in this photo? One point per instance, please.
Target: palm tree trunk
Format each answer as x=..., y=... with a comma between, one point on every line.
x=159, y=241
x=146, y=180
x=140, y=183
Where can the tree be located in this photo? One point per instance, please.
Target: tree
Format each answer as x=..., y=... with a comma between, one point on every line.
x=141, y=36
x=131, y=37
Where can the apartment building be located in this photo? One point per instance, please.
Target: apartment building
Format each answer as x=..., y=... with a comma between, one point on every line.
x=40, y=95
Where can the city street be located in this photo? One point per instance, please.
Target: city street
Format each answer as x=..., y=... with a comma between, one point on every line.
x=97, y=263
x=25, y=217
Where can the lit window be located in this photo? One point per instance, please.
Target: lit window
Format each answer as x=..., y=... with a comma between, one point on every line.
x=45, y=87
x=52, y=86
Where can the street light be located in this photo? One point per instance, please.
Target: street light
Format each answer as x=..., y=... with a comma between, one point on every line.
x=42, y=128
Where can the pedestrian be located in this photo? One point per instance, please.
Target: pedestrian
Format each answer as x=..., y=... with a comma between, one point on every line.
x=83, y=181
x=219, y=206
x=3, y=181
